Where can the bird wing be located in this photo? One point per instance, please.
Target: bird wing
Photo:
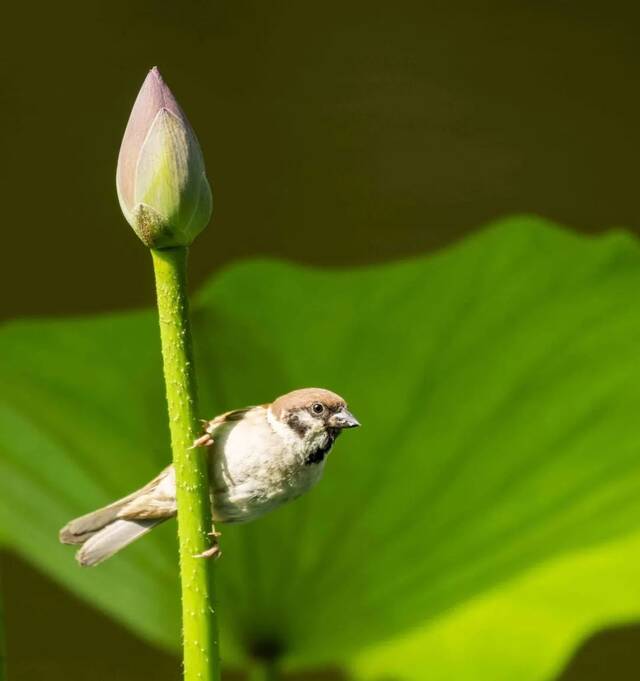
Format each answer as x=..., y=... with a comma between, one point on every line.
x=210, y=427
x=157, y=499
x=227, y=417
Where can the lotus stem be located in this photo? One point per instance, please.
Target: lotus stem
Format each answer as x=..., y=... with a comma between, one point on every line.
x=199, y=614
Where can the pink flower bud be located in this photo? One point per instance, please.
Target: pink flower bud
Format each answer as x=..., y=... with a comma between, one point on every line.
x=161, y=181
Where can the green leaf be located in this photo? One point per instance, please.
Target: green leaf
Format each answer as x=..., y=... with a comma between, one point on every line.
x=498, y=389
x=522, y=630
x=82, y=420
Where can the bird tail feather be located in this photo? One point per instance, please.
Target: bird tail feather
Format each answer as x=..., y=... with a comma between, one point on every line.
x=102, y=533
x=78, y=530
x=115, y=536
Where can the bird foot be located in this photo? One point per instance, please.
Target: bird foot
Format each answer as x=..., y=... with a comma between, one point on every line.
x=203, y=441
x=213, y=552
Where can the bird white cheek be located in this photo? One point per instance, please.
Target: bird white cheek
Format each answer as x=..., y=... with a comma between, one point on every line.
x=288, y=436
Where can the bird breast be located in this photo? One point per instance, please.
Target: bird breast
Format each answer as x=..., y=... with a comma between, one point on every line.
x=253, y=469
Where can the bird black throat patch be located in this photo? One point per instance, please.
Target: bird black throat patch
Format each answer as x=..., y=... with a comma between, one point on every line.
x=317, y=455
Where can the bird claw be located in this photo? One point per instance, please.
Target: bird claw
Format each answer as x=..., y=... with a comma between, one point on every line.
x=203, y=441
x=212, y=552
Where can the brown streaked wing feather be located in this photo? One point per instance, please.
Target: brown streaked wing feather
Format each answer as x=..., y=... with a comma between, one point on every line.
x=151, y=502
x=227, y=417
x=78, y=530
x=210, y=427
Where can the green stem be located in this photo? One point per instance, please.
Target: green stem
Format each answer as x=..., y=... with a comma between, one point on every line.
x=199, y=617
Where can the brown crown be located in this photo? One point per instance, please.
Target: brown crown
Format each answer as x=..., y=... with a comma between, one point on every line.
x=304, y=398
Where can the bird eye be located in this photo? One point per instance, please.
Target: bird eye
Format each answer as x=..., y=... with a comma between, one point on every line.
x=317, y=408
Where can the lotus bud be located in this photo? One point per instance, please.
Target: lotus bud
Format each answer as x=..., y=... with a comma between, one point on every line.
x=161, y=181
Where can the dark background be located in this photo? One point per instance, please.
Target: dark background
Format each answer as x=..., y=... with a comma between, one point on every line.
x=335, y=133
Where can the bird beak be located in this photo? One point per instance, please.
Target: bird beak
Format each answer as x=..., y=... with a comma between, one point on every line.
x=344, y=419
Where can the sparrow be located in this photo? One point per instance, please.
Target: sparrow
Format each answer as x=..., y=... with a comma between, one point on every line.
x=258, y=458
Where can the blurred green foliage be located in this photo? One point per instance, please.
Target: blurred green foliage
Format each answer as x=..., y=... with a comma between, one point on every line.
x=478, y=525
